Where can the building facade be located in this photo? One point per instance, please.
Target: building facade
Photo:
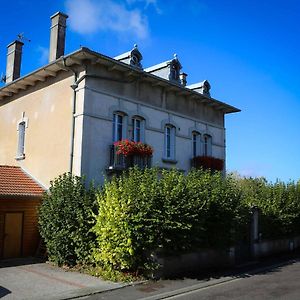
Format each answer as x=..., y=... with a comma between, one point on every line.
x=67, y=115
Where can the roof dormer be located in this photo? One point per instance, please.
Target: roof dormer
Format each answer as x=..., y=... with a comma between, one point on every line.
x=169, y=70
x=201, y=87
x=133, y=57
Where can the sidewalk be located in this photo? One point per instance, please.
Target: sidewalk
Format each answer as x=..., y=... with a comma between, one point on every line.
x=33, y=279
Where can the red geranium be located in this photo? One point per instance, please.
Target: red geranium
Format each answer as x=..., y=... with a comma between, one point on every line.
x=129, y=148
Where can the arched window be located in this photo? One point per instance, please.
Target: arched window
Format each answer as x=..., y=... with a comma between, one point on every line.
x=138, y=128
x=119, y=129
x=207, y=145
x=196, y=143
x=169, y=151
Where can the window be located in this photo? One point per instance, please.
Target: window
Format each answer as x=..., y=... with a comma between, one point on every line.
x=138, y=129
x=169, y=142
x=21, y=140
x=207, y=145
x=196, y=139
x=118, y=127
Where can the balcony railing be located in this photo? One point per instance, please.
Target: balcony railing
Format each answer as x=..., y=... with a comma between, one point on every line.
x=122, y=162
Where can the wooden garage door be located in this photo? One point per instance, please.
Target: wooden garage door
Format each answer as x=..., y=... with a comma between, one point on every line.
x=13, y=226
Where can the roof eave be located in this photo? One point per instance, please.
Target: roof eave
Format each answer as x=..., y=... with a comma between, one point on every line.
x=76, y=57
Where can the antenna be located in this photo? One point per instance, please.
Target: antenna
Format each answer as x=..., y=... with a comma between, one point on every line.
x=21, y=37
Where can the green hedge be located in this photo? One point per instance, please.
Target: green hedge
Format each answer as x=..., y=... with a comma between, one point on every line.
x=65, y=220
x=278, y=203
x=148, y=210
x=142, y=211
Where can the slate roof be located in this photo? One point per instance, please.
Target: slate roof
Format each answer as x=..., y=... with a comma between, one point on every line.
x=15, y=182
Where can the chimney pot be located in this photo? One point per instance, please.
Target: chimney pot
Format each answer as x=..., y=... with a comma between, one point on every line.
x=57, y=36
x=13, y=62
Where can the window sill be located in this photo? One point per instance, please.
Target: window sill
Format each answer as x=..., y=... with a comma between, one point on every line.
x=20, y=157
x=169, y=160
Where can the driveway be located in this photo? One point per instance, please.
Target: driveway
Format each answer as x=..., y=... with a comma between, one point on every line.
x=33, y=279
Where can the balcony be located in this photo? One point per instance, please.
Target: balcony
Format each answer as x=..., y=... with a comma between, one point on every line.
x=208, y=162
x=120, y=162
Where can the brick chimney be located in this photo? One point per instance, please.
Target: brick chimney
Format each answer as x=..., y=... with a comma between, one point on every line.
x=13, y=62
x=57, y=36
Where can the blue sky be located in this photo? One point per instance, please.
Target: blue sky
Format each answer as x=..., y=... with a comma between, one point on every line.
x=247, y=50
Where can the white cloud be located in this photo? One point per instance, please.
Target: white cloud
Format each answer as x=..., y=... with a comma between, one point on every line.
x=44, y=55
x=91, y=16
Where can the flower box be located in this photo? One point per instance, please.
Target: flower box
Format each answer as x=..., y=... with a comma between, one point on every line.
x=208, y=162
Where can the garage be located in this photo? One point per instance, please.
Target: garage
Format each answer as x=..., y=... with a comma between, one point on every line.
x=20, y=196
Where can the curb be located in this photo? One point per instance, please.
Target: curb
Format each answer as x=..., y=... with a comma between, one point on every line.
x=77, y=294
x=215, y=282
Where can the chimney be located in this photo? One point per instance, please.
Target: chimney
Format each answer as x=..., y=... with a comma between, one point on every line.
x=57, y=36
x=13, y=62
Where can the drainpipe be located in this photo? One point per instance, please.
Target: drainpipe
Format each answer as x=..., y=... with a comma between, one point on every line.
x=72, y=136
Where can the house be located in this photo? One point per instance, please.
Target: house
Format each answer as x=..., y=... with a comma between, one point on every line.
x=19, y=197
x=66, y=116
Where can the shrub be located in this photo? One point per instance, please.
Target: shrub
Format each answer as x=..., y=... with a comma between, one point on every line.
x=142, y=211
x=126, y=224
x=278, y=203
x=65, y=220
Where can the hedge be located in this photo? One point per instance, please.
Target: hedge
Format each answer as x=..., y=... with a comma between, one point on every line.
x=142, y=211
x=65, y=220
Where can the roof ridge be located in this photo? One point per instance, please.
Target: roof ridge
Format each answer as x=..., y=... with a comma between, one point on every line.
x=7, y=166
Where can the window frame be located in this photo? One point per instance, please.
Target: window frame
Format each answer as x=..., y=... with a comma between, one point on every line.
x=169, y=142
x=207, y=141
x=196, y=144
x=119, y=127
x=141, y=129
x=22, y=124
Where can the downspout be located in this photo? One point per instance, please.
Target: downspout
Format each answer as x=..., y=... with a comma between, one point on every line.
x=72, y=136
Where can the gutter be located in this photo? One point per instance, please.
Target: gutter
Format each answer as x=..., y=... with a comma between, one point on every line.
x=72, y=136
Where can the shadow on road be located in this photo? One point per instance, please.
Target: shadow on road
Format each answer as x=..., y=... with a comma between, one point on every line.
x=4, y=291
x=14, y=262
x=260, y=267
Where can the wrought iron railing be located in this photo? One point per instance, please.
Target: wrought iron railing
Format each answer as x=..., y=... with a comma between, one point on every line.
x=121, y=162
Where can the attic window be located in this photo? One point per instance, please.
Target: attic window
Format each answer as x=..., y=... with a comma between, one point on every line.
x=175, y=68
x=136, y=57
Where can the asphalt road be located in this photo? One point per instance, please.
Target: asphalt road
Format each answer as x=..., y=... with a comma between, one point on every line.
x=281, y=283
x=271, y=280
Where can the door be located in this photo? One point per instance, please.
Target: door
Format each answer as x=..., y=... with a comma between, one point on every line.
x=13, y=234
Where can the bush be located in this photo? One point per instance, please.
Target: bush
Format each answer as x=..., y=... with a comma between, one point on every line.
x=278, y=203
x=142, y=211
x=65, y=220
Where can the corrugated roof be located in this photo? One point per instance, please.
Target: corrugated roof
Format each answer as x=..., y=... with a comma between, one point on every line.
x=15, y=182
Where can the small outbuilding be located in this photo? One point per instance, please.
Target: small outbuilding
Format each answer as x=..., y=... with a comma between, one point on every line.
x=20, y=196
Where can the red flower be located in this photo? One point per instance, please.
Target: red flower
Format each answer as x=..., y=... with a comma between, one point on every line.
x=129, y=148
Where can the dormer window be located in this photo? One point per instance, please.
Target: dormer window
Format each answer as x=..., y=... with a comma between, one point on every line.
x=175, y=68
x=136, y=57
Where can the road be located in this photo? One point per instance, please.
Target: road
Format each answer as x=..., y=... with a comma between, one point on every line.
x=276, y=280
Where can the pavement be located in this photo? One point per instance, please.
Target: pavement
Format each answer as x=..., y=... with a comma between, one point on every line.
x=270, y=278
x=33, y=279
